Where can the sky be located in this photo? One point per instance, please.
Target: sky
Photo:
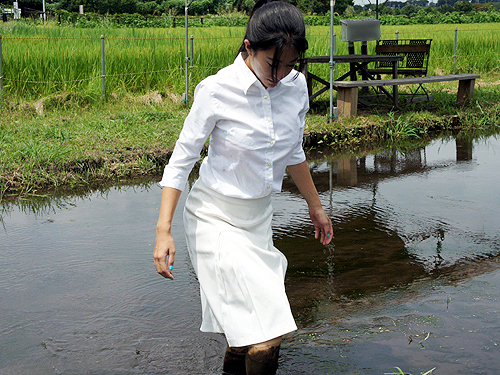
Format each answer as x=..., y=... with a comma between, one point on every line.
x=364, y=2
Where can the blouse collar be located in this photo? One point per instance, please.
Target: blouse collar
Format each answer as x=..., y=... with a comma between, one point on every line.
x=247, y=78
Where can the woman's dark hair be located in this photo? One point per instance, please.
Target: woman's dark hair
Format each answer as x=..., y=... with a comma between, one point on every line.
x=275, y=24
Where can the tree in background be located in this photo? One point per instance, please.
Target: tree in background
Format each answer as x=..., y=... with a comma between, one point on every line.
x=445, y=2
x=94, y=6
x=409, y=9
x=345, y=8
x=462, y=6
x=322, y=6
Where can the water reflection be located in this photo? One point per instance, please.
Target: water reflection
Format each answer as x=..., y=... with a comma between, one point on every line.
x=411, y=275
x=464, y=149
x=401, y=200
x=409, y=226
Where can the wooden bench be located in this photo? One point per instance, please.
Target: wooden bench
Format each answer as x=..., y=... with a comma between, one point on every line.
x=347, y=91
x=415, y=59
x=415, y=53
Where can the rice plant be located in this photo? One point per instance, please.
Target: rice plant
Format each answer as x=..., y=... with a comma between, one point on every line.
x=42, y=60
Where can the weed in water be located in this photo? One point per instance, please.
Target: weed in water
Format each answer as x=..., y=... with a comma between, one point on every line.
x=401, y=372
x=400, y=128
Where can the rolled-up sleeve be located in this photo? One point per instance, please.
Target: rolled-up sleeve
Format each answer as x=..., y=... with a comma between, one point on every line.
x=198, y=126
x=298, y=155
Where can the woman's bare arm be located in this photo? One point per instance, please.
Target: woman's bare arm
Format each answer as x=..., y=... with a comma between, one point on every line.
x=322, y=225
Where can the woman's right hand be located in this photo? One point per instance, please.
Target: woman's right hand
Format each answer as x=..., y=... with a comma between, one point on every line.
x=164, y=254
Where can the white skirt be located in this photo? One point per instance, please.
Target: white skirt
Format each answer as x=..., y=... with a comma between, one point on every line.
x=241, y=273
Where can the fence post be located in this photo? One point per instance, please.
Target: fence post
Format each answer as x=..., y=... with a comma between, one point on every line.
x=455, y=51
x=332, y=53
x=103, y=69
x=192, y=49
x=1, y=73
x=397, y=34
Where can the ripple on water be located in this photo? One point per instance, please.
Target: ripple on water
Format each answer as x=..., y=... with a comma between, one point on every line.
x=410, y=279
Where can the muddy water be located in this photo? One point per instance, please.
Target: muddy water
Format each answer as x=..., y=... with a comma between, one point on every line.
x=410, y=279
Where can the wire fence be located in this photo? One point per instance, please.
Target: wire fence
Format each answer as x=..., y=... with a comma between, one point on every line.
x=4, y=76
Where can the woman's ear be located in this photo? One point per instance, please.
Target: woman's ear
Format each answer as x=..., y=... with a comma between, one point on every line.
x=248, y=47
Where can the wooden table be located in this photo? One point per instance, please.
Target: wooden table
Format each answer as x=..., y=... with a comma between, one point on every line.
x=358, y=64
x=347, y=91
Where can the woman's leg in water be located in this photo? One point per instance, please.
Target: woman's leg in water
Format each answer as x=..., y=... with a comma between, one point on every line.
x=258, y=359
x=262, y=359
x=234, y=361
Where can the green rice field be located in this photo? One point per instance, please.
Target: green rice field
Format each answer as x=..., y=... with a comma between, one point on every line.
x=44, y=60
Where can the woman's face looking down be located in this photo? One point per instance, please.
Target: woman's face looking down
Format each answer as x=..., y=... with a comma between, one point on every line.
x=260, y=63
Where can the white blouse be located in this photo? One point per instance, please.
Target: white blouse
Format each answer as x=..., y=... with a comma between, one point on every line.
x=255, y=133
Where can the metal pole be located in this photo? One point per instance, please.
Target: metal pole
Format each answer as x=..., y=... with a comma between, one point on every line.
x=397, y=35
x=1, y=73
x=186, y=57
x=103, y=69
x=335, y=50
x=332, y=63
x=455, y=51
x=192, y=49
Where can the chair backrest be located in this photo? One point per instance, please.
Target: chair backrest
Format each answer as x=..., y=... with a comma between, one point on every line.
x=415, y=52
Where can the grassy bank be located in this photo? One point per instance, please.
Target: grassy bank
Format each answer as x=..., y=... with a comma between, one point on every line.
x=57, y=133
x=69, y=143
x=64, y=142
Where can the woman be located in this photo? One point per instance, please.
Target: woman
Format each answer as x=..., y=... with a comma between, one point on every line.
x=253, y=111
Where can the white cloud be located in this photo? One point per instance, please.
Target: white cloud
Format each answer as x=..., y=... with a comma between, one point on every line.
x=362, y=2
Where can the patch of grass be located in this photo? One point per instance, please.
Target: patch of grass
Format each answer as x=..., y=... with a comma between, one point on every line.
x=398, y=128
x=71, y=146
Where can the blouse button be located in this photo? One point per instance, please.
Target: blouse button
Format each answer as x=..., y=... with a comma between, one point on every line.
x=268, y=164
x=269, y=186
x=268, y=119
x=266, y=97
x=271, y=143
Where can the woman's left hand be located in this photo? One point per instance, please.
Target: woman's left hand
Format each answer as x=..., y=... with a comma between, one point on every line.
x=322, y=225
